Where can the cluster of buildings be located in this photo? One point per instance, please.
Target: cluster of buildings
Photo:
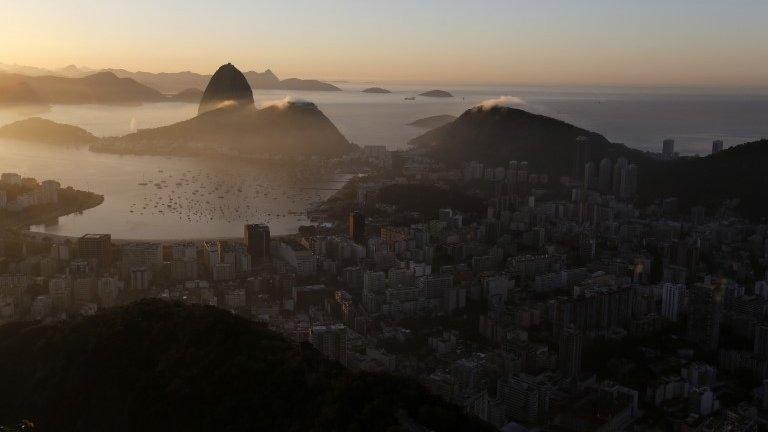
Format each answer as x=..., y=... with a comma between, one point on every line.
x=668, y=152
x=18, y=193
x=559, y=306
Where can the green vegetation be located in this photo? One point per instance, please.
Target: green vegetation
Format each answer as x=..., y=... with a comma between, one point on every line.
x=155, y=365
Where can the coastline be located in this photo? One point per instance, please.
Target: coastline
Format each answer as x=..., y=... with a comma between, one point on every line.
x=337, y=199
x=92, y=201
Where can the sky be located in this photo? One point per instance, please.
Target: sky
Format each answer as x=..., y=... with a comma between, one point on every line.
x=714, y=43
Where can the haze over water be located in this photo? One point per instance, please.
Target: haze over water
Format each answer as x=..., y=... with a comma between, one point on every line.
x=638, y=118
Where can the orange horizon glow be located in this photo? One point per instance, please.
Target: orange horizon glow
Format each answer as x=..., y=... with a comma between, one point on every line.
x=593, y=42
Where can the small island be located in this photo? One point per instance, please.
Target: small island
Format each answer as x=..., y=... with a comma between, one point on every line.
x=40, y=130
x=376, y=90
x=432, y=121
x=436, y=94
x=24, y=201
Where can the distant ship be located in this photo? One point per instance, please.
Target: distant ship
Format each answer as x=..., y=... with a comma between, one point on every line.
x=411, y=98
x=142, y=182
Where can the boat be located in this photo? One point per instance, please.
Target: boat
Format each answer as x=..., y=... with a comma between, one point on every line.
x=411, y=98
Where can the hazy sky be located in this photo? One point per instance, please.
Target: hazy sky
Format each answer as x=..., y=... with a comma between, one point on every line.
x=649, y=42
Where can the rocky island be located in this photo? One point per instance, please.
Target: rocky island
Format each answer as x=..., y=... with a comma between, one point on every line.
x=432, y=121
x=40, y=130
x=436, y=94
x=376, y=90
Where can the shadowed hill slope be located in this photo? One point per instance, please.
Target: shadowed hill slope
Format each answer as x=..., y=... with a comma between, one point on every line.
x=500, y=134
x=737, y=173
x=157, y=366
x=296, y=129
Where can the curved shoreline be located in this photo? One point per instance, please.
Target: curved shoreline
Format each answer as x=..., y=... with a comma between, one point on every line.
x=93, y=201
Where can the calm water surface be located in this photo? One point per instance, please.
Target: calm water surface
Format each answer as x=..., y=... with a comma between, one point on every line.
x=236, y=192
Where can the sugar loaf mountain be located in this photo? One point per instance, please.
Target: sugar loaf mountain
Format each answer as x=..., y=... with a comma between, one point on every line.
x=499, y=133
x=229, y=123
x=160, y=366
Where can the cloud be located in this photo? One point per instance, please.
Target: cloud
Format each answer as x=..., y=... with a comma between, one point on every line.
x=284, y=102
x=501, y=102
x=227, y=104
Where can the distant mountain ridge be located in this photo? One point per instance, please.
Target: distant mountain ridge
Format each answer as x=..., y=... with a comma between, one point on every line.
x=174, y=82
x=190, y=95
x=104, y=88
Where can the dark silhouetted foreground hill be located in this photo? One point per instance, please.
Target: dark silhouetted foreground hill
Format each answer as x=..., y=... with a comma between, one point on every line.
x=157, y=366
x=42, y=130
